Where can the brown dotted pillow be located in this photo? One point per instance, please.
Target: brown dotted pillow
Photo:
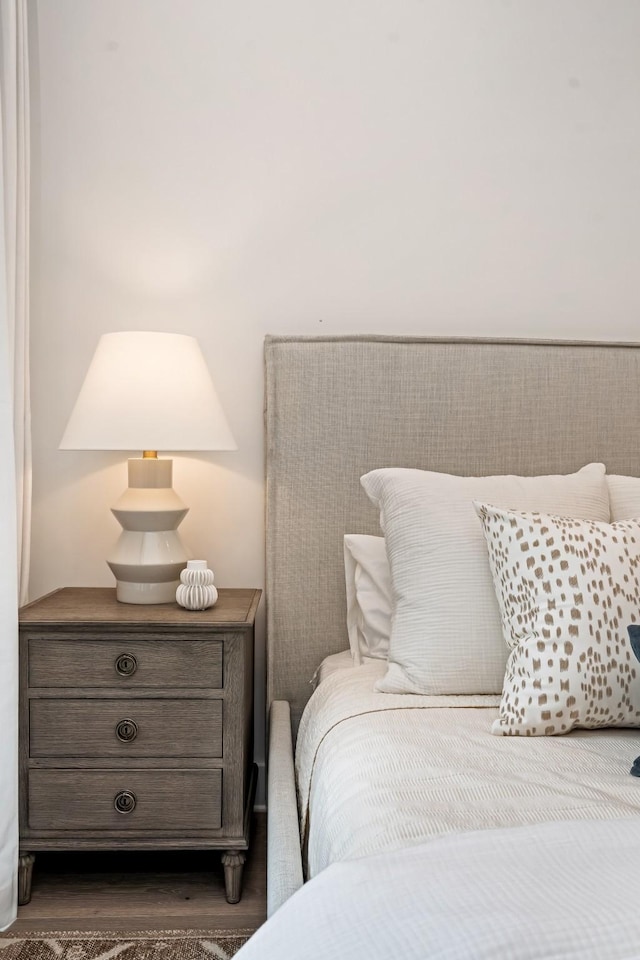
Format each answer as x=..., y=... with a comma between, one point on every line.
x=567, y=591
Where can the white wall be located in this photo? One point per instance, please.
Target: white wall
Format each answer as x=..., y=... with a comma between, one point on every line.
x=230, y=168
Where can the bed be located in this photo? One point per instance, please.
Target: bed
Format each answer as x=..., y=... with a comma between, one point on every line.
x=420, y=832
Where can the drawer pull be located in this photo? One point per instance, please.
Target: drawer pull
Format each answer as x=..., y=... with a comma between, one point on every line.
x=125, y=801
x=127, y=730
x=126, y=665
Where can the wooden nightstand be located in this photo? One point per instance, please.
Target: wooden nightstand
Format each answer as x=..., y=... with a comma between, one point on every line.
x=136, y=727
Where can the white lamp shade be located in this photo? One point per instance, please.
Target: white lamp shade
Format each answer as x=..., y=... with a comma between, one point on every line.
x=147, y=391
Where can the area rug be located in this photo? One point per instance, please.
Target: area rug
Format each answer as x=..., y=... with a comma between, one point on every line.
x=105, y=945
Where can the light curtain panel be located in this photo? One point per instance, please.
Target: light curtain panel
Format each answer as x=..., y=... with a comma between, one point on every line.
x=15, y=442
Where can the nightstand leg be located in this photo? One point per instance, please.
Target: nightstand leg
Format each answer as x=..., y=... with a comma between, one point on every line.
x=25, y=873
x=233, y=862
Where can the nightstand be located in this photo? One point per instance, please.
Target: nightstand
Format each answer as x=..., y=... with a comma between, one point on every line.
x=136, y=727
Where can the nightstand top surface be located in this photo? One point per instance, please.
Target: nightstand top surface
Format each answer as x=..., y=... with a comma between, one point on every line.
x=94, y=605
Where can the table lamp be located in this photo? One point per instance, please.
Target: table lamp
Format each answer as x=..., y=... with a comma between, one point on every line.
x=149, y=392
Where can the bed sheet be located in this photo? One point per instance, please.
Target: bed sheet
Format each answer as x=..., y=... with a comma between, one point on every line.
x=378, y=772
x=334, y=663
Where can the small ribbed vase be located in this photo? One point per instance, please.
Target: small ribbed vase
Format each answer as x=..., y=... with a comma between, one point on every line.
x=196, y=590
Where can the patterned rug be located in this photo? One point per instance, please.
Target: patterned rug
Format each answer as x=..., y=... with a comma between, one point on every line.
x=105, y=945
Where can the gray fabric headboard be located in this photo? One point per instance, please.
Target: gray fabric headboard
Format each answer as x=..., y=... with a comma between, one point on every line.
x=337, y=407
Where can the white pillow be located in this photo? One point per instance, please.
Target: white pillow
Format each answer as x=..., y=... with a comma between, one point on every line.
x=446, y=635
x=368, y=576
x=567, y=590
x=368, y=582
x=624, y=497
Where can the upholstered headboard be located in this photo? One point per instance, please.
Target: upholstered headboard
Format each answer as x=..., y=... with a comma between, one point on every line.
x=337, y=407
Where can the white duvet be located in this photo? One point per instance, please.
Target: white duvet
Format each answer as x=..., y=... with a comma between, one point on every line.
x=431, y=839
x=558, y=891
x=380, y=772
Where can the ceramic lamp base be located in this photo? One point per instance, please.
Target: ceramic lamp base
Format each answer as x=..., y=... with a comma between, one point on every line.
x=146, y=592
x=149, y=555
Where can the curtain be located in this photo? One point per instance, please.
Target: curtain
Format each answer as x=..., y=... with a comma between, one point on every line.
x=15, y=443
x=16, y=176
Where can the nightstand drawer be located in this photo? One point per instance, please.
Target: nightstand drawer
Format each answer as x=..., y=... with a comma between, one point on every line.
x=135, y=800
x=125, y=728
x=125, y=663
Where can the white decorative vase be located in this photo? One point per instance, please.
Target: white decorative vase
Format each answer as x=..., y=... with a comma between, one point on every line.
x=196, y=590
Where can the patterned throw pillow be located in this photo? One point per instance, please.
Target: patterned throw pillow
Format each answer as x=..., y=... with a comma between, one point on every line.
x=567, y=591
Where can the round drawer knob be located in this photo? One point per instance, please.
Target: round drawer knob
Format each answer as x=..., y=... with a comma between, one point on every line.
x=127, y=730
x=126, y=664
x=125, y=801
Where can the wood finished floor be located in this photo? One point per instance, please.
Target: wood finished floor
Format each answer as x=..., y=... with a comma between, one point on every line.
x=144, y=891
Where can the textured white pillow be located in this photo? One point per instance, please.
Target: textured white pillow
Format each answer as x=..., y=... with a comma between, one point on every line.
x=624, y=497
x=567, y=590
x=446, y=635
x=368, y=582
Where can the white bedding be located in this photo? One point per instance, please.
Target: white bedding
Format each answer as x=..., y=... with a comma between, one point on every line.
x=560, y=891
x=379, y=772
x=332, y=664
